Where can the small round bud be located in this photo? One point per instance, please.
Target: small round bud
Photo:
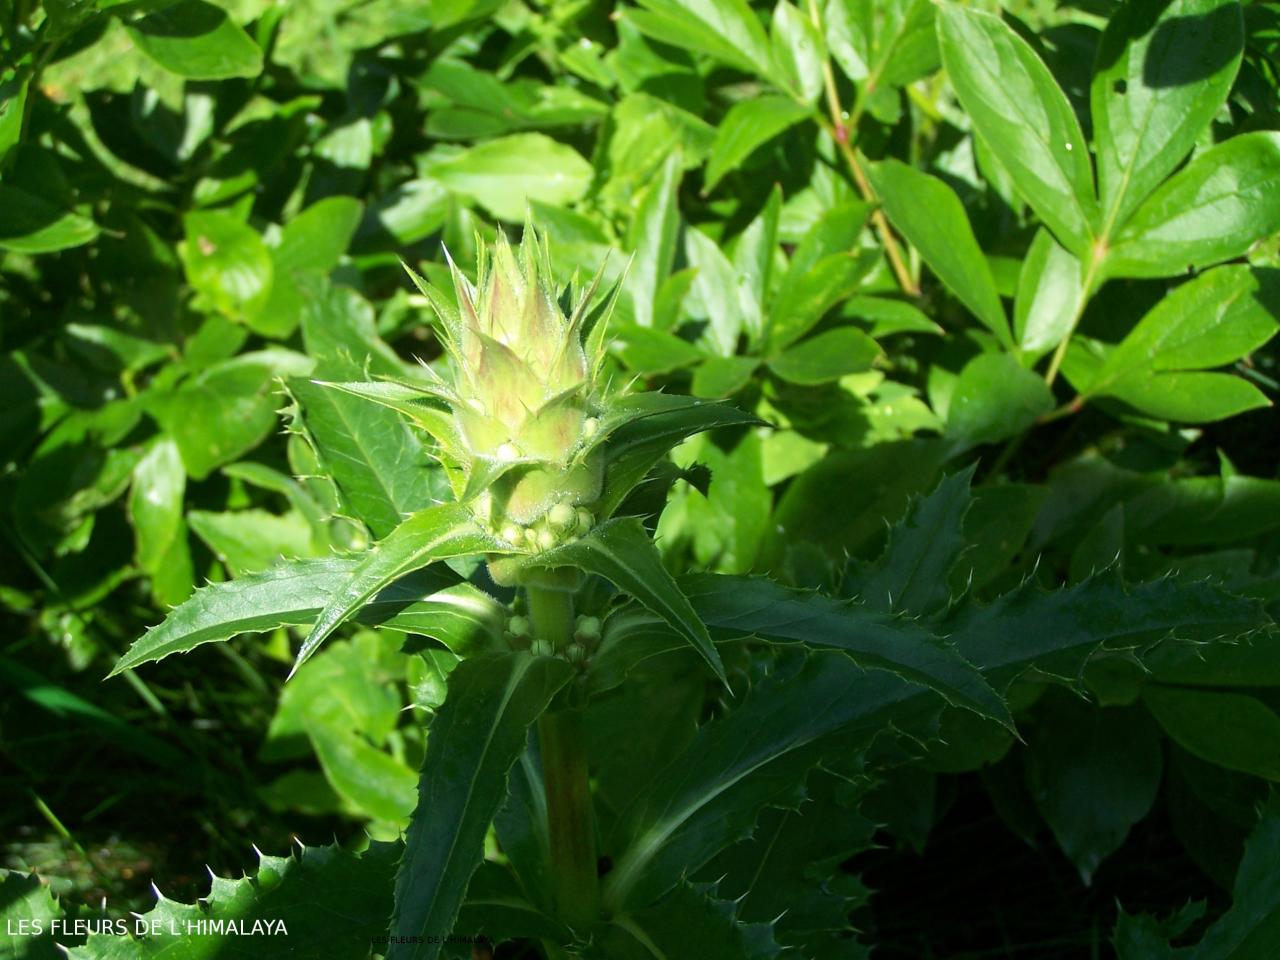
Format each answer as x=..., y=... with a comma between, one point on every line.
x=540, y=648
x=585, y=520
x=587, y=629
x=575, y=653
x=512, y=533
x=562, y=516
x=508, y=452
x=546, y=539
x=531, y=535
x=590, y=426
x=518, y=626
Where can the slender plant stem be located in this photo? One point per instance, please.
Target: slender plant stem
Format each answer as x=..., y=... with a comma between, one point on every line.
x=571, y=832
x=840, y=132
x=1092, y=274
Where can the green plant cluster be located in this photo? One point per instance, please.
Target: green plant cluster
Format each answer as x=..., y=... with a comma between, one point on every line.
x=838, y=445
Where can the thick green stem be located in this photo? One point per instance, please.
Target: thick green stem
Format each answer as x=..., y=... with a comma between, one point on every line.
x=576, y=886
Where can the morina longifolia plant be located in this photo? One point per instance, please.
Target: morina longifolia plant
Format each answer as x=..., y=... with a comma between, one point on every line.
x=627, y=764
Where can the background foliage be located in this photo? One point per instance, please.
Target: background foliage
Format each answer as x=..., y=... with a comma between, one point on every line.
x=1006, y=279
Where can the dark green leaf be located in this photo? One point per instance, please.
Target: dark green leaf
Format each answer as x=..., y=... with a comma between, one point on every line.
x=911, y=575
x=476, y=737
x=691, y=921
x=737, y=606
x=1093, y=773
x=32, y=224
x=633, y=449
x=13, y=102
x=1057, y=632
x=1233, y=730
x=621, y=551
x=198, y=41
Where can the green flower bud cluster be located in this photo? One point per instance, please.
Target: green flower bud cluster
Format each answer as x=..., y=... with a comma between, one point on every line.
x=525, y=400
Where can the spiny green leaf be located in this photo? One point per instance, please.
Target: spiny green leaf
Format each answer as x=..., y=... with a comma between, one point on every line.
x=788, y=873
x=1248, y=931
x=632, y=449
x=475, y=738
x=758, y=755
x=1056, y=632
x=378, y=464
x=322, y=901
x=911, y=575
x=26, y=904
x=621, y=551
x=431, y=602
x=439, y=532
x=755, y=606
x=691, y=921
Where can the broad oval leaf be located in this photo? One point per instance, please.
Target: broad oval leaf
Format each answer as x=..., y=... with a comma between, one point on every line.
x=1050, y=295
x=1233, y=730
x=725, y=29
x=826, y=356
x=931, y=217
x=1094, y=773
x=1215, y=208
x=1021, y=113
x=749, y=124
x=1164, y=69
x=198, y=41
x=994, y=398
x=503, y=175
